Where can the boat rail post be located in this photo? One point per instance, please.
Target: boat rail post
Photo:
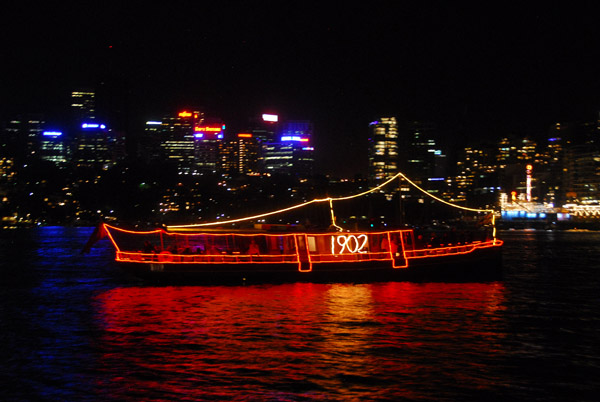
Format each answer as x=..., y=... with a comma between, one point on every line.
x=302, y=253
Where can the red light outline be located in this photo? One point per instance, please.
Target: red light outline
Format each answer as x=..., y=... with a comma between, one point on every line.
x=295, y=258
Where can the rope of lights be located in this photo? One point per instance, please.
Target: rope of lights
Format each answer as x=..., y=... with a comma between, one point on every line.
x=330, y=200
x=441, y=200
x=316, y=200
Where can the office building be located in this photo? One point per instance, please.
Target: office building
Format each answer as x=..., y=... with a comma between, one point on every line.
x=425, y=160
x=83, y=105
x=293, y=153
x=383, y=149
x=95, y=145
x=239, y=155
x=21, y=137
x=53, y=148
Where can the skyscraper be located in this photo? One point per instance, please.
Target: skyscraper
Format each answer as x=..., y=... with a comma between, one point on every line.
x=172, y=139
x=293, y=153
x=189, y=140
x=83, y=105
x=424, y=158
x=96, y=146
x=53, y=148
x=22, y=136
x=383, y=149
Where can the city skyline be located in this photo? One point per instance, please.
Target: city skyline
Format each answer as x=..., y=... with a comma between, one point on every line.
x=476, y=72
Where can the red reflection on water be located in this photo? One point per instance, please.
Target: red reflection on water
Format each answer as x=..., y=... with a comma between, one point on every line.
x=319, y=341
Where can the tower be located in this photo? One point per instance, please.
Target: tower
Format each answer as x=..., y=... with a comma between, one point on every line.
x=83, y=105
x=383, y=149
x=293, y=153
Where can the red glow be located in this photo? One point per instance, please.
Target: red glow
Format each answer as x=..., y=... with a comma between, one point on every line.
x=302, y=249
x=208, y=129
x=201, y=340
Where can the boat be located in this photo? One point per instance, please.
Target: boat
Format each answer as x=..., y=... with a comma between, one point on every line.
x=215, y=252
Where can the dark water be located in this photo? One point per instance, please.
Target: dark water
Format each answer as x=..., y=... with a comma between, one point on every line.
x=75, y=329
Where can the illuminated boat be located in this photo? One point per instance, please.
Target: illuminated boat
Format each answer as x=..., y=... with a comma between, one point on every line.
x=192, y=253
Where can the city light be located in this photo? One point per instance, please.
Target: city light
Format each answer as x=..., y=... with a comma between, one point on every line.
x=208, y=129
x=52, y=133
x=185, y=114
x=295, y=138
x=89, y=126
x=271, y=118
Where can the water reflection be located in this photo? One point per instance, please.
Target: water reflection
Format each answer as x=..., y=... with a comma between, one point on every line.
x=72, y=331
x=313, y=341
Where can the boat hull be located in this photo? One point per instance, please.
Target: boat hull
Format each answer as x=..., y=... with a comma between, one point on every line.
x=480, y=265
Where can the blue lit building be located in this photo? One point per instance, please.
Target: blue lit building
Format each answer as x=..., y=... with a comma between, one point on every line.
x=96, y=146
x=53, y=148
x=293, y=153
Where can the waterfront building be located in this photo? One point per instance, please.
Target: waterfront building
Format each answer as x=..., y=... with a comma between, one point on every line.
x=582, y=174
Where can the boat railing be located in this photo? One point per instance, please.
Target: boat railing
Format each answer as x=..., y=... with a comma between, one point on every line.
x=351, y=257
x=166, y=257
x=449, y=249
x=317, y=253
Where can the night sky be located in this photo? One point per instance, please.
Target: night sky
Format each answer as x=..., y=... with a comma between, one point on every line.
x=476, y=71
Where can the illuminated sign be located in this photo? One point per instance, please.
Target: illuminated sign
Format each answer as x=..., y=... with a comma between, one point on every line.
x=201, y=136
x=528, y=182
x=52, y=133
x=271, y=118
x=296, y=138
x=209, y=132
x=244, y=135
x=185, y=114
x=208, y=129
x=153, y=123
x=352, y=244
x=89, y=126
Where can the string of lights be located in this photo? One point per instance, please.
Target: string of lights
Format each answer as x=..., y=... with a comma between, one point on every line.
x=330, y=200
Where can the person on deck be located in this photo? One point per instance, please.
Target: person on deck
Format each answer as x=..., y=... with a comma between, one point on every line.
x=253, y=248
